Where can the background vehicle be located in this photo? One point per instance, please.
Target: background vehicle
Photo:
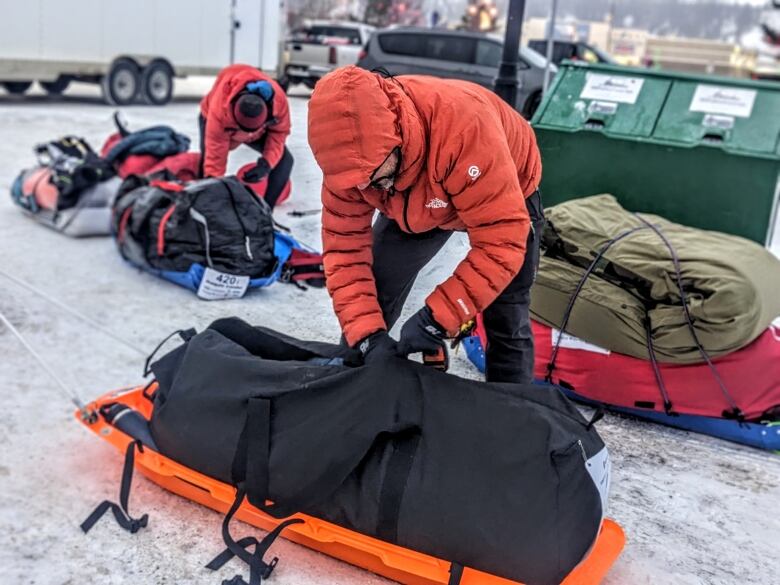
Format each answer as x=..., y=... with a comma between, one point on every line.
x=133, y=51
x=320, y=47
x=455, y=54
x=572, y=50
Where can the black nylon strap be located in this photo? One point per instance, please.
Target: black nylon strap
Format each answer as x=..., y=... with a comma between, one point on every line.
x=394, y=484
x=122, y=516
x=258, y=446
x=456, y=574
x=251, y=464
x=570, y=306
x=659, y=379
x=258, y=568
x=254, y=461
x=185, y=334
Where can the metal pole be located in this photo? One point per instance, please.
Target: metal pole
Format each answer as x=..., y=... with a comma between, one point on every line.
x=550, y=45
x=611, y=25
x=232, y=31
x=506, y=82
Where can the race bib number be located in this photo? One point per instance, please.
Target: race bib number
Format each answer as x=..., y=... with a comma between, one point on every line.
x=217, y=285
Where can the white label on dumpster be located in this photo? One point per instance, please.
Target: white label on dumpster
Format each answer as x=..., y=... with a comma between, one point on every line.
x=718, y=121
x=721, y=99
x=611, y=88
x=217, y=285
x=571, y=342
x=605, y=108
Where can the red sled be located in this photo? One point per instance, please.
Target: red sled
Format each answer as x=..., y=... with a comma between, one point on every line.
x=751, y=376
x=596, y=376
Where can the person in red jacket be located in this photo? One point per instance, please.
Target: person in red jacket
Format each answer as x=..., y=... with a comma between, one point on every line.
x=245, y=106
x=432, y=156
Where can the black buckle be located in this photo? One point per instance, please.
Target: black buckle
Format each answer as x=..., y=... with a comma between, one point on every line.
x=269, y=568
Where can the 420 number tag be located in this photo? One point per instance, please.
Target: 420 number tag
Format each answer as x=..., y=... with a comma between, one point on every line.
x=217, y=285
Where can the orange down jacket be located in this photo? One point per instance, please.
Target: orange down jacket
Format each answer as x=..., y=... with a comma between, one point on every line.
x=467, y=162
x=222, y=132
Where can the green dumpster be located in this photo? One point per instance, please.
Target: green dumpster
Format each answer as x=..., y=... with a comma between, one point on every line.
x=703, y=151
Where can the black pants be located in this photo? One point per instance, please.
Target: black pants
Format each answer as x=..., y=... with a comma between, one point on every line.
x=277, y=178
x=399, y=257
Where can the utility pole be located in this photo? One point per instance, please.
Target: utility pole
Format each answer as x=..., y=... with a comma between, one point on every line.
x=506, y=82
x=550, y=45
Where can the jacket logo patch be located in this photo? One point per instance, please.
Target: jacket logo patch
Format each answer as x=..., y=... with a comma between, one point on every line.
x=464, y=307
x=436, y=203
x=474, y=172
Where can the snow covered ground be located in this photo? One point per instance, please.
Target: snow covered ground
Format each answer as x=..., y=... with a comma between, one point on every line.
x=696, y=510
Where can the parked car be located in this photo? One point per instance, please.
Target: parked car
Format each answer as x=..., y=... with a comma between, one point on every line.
x=318, y=48
x=571, y=50
x=464, y=55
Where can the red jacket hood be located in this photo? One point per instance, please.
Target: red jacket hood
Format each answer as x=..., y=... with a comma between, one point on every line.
x=356, y=118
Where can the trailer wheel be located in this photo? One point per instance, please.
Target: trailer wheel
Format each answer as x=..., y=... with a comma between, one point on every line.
x=157, y=83
x=57, y=86
x=122, y=83
x=17, y=87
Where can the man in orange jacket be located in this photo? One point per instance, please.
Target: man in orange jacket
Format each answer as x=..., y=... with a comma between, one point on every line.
x=432, y=155
x=245, y=106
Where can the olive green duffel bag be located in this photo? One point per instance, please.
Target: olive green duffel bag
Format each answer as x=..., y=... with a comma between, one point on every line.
x=731, y=285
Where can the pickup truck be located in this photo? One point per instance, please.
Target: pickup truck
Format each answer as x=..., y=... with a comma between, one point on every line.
x=321, y=46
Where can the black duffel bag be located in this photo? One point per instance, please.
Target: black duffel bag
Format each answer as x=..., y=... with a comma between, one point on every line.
x=504, y=478
x=163, y=225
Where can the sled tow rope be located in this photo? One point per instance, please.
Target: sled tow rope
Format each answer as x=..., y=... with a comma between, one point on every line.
x=68, y=392
x=73, y=312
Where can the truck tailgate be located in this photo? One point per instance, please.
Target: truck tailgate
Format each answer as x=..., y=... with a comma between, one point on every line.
x=306, y=54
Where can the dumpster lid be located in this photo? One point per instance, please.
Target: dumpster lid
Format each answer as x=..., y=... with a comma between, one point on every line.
x=737, y=117
x=616, y=101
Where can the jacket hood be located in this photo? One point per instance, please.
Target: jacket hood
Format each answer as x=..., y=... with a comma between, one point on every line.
x=356, y=118
x=231, y=82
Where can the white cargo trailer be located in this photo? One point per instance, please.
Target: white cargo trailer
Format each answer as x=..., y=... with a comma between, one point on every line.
x=134, y=48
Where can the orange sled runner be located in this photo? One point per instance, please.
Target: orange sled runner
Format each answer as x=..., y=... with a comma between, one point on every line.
x=385, y=559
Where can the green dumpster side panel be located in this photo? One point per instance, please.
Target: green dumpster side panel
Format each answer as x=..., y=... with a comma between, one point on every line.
x=658, y=155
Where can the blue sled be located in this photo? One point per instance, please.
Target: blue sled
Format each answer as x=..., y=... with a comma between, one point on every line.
x=760, y=435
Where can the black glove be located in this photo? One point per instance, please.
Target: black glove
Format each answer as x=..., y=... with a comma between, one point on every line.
x=378, y=347
x=422, y=333
x=258, y=172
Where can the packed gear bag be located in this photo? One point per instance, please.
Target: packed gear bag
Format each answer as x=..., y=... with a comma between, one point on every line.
x=213, y=236
x=260, y=187
x=394, y=450
x=137, y=153
x=183, y=166
x=71, y=190
x=645, y=287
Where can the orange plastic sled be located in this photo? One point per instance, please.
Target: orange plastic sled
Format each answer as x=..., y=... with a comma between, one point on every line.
x=388, y=560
